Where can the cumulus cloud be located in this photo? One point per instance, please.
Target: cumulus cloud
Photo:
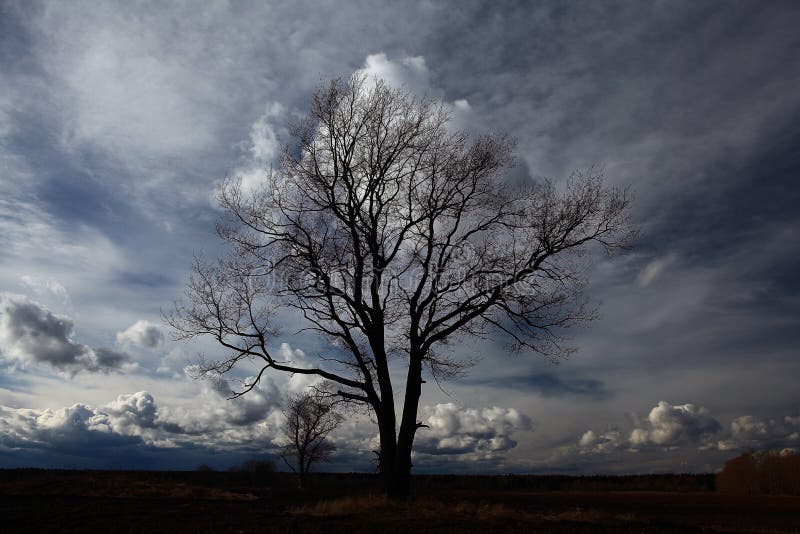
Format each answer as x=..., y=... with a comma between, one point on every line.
x=215, y=419
x=29, y=332
x=748, y=432
x=481, y=433
x=134, y=411
x=675, y=425
x=142, y=333
x=666, y=426
x=207, y=421
x=130, y=432
x=51, y=428
x=602, y=442
x=84, y=433
x=133, y=420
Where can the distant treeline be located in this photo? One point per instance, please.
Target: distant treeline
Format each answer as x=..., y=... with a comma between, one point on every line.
x=771, y=473
x=663, y=482
x=260, y=474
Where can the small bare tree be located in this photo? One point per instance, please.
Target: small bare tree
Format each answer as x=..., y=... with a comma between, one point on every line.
x=392, y=236
x=309, y=420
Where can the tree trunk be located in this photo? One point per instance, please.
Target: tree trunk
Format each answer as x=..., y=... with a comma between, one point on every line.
x=394, y=461
x=301, y=474
x=397, y=472
x=388, y=444
x=399, y=481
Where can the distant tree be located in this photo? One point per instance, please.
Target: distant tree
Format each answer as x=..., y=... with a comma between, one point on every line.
x=309, y=420
x=259, y=472
x=392, y=236
x=772, y=472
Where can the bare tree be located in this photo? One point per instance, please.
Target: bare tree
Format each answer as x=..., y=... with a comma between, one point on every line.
x=309, y=420
x=392, y=236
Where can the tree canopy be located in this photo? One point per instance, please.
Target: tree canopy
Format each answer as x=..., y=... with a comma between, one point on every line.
x=392, y=235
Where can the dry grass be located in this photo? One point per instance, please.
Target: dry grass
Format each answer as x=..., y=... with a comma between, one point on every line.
x=589, y=515
x=349, y=505
x=460, y=510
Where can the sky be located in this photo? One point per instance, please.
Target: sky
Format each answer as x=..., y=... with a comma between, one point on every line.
x=119, y=120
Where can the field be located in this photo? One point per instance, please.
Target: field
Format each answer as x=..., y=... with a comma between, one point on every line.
x=90, y=501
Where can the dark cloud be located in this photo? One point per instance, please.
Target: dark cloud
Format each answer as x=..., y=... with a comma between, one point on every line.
x=143, y=279
x=30, y=332
x=547, y=384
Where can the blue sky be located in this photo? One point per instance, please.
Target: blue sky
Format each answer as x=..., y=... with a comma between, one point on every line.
x=118, y=120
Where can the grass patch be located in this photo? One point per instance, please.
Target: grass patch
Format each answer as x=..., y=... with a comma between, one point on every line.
x=431, y=508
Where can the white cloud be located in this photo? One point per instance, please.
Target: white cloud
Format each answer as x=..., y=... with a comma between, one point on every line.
x=264, y=147
x=71, y=419
x=482, y=433
x=298, y=382
x=211, y=422
x=410, y=72
x=603, y=442
x=131, y=413
x=666, y=426
x=672, y=425
x=215, y=419
x=687, y=425
x=142, y=333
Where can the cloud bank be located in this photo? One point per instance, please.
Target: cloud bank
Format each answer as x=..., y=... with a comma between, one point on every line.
x=685, y=426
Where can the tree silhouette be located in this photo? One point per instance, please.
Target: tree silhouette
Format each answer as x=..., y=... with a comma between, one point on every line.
x=309, y=420
x=392, y=236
